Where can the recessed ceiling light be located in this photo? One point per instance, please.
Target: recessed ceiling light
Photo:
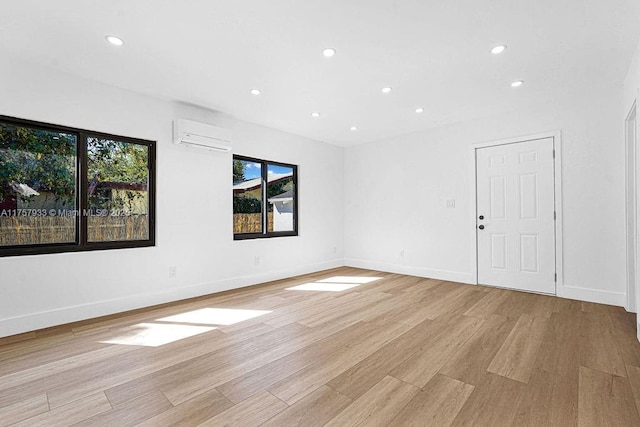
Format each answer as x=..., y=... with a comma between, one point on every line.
x=255, y=92
x=386, y=89
x=498, y=49
x=517, y=83
x=329, y=52
x=315, y=115
x=419, y=110
x=116, y=41
x=353, y=128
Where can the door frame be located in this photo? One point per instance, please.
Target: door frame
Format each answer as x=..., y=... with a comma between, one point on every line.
x=557, y=183
x=631, y=208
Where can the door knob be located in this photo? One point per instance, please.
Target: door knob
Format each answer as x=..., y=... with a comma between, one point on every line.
x=481, y=227
x=481, y=217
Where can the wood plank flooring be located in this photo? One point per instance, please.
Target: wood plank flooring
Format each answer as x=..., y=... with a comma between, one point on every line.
x=351, y=347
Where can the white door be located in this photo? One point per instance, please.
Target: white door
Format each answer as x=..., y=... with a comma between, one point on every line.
x=515, y=216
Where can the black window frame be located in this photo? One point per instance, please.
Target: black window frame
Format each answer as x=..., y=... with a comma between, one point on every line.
x=264, y=174
x=81, y=243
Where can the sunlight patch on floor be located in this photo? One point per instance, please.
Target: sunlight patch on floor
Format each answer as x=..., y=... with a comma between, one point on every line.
x=156, y=334
x=323, y=287
x=349, y=279
x=215, y=316
x=334, y=284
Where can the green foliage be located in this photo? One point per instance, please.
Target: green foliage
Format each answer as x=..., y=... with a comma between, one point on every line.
x=246, y=205
x=43, y=160
x=238, y=171
x=115, y=161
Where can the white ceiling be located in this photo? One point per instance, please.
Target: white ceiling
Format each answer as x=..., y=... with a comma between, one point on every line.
x=434, y=53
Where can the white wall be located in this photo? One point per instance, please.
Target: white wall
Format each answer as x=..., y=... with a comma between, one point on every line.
x=44, y=290
x=631, y=93
x=631, y=83
x=396, y=192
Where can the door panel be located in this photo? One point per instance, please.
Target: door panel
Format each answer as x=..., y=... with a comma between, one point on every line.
x=528, y=197
x=515, y=194
x=498, y=251
x=498, y=197
x=529, y=253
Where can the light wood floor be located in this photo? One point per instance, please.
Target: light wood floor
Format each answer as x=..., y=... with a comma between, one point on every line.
x=398, y=350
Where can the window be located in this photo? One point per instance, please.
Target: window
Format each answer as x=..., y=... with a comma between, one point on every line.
x=264, y=198
x=65, y=190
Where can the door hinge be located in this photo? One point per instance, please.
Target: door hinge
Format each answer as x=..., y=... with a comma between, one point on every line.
x=555, y=277
x=554, y=154
x=554, y=215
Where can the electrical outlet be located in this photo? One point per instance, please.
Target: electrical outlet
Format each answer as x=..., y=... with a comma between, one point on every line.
x=451, y=203
x=256, y=260
x=173, y=272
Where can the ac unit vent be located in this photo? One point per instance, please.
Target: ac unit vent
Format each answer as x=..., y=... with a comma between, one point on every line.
x=201, y=135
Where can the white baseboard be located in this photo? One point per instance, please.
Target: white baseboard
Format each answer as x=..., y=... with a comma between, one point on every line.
x=572, y=292
x=592, y=295
x=452, y=276
x=45, y=319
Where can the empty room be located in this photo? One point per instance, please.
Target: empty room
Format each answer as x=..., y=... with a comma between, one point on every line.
x=343, y=213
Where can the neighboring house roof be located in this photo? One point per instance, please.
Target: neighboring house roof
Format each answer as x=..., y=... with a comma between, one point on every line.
x=23, y=190
x=252, y=184
x=284, y=197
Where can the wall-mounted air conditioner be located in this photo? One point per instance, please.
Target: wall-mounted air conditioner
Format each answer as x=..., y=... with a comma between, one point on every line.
x=201, y=135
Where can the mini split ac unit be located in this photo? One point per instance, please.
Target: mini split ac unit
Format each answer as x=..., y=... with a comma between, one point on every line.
x=201, y=135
